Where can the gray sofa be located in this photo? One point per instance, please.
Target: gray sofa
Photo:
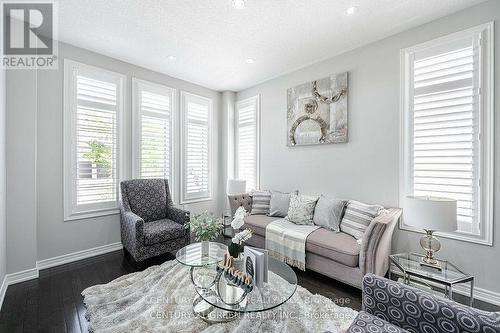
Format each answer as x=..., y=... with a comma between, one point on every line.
x=337, y=255
x=390, y=306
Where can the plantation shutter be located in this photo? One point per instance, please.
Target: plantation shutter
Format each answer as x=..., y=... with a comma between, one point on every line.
x=445, y=108
x=246, y=142
x=93, y=108
x=153, y=155
x=197, y=150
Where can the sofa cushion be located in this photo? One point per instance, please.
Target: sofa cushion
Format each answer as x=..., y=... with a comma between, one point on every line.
x=339, y=247
x=258, y=223
x=365, y=322
x=161, y=231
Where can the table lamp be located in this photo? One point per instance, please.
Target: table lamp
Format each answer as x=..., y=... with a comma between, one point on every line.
x=430, y=214
x=236, y=186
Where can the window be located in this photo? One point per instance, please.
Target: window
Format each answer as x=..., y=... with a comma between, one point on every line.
x=448, y=126
x=93, y=111
x=153, y=112
x=247, y=141
x=196, y=148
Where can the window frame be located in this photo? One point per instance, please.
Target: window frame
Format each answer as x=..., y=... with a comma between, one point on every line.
x=71, y=209
x=137, y=126
x=184, y=97
x=486, y=129
x=256, y=100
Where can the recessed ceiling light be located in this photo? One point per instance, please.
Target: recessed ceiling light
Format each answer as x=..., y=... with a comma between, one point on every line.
x=239, y=4
x=171, y=57
x=351, y=10
x=250, y=60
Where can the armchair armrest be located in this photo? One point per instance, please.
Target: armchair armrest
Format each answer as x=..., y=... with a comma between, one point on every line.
x=417, y=310
x=376, y=244
x=178, y=215
x=240, y=200
x=132, y=224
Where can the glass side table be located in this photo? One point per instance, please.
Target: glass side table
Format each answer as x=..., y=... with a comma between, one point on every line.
x=448, y=275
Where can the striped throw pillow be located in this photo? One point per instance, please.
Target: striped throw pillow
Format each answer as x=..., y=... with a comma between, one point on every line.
x=357, y=218
x=260, y=202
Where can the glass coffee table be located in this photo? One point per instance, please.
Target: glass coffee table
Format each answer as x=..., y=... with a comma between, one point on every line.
x=229, y=301
x=202, y=257
x=408, y=265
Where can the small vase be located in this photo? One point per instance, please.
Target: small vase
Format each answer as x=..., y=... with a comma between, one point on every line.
x=205, y=248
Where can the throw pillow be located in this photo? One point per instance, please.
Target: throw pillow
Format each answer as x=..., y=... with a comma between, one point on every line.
x=260, y=202
x=279, y=203
x=301, y=209
x=357, y=218
x=328, y=213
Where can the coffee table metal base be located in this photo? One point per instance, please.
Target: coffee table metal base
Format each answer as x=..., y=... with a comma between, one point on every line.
x=210, y=313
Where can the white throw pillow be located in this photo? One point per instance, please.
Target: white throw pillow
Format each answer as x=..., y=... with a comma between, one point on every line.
x=301, y=209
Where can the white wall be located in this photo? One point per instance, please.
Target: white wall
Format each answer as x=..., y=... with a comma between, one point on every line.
x=3, y=239
x=36, y=227
x=367, y=167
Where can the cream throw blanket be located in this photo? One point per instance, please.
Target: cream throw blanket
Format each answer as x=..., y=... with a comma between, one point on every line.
x=286, y=241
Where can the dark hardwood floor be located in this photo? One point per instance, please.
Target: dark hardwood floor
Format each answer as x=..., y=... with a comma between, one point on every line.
x=52, y=303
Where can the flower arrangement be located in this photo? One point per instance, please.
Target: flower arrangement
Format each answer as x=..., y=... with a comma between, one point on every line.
x=205, y=226
x=236, y=245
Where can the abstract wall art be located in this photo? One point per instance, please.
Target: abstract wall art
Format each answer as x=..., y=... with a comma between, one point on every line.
x=317, y=111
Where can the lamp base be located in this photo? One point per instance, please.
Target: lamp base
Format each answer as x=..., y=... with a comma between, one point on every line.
x=433, y=263
x=431, y=245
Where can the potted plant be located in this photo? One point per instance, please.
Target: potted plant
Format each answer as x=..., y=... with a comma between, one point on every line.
x=236, y=246
x=206, y=227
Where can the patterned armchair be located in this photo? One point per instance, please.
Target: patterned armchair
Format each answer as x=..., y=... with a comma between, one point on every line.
x=393, y=307
x=150, y=224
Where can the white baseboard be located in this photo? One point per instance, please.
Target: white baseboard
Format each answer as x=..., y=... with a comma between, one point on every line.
x=70, y=257
x=32, y=273
x=3, y=290
x=22, y=276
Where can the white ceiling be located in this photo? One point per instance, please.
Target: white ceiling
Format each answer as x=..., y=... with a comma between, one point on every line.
x=211, y=40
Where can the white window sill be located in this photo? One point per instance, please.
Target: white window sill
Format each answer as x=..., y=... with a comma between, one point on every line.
x=470, y=238
x=91, y=214
x=190, y=201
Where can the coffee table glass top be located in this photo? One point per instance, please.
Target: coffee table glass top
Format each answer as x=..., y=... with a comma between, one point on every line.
x=409, y=263
x=281, y=285
x=193, y=254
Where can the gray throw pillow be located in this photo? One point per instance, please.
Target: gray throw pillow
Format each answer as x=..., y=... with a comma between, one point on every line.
x=260, y=202
x=279, y=203
x=328, y=213
x=357, y=218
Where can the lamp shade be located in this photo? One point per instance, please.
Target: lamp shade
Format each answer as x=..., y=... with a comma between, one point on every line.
x=431, y=213
x=236, y=186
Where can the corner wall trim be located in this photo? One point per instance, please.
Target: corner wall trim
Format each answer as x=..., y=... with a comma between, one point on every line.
x=3, y=290
x=70, y=257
